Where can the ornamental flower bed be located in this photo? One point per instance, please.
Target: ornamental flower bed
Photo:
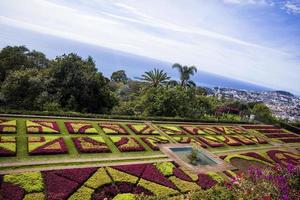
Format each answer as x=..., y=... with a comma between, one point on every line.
x=228, y=140
x=91, y=144
x=126, y=144
x=143, y=129
x=211, y=141
x=46, y=145
x=8, y=126
x=38, y=126
x=171, y=130
x=258, y=127
x=152, y=142
x=7, y=146
x=193, y=130
x=280, y=135
x=275, y=130
x=284, y=158
x=228, y=130
x=243, y=139
x=257, y=139
x=80, y=128
x=114, y=129
x=188, y=140
x=291, y=140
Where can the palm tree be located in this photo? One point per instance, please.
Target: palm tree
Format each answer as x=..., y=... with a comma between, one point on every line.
x=155, y=77
x=185, y=73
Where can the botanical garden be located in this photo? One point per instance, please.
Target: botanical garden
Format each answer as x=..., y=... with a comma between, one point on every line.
x=68, y=132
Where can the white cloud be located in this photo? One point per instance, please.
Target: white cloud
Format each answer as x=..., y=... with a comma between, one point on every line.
x=292, y=7
x=208, y=36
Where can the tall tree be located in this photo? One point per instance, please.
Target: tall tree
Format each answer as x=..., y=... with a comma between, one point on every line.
x=119, y=76
x=79, y=86
x=155, y=77
x=185, y=73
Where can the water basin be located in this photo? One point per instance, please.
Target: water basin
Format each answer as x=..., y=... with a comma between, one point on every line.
x=184, y=154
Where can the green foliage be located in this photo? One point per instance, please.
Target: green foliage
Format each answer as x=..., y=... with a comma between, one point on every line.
x=175, y=101
x=263, y=113
x=35, y=196
x=185, y=73
x=155, y=77
x=82, y=193
x=166, y=168
x=19, y=57
x=125, y=196
x=30, y=181
x=22, y=87
x=119, y=76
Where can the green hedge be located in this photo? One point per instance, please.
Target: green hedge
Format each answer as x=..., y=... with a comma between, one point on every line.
x=121, y=117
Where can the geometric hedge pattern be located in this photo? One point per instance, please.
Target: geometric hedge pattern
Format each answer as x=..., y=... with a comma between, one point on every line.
x=7, y=146
x=46, y=145
x=160, y=178
x=8, y=126
x=38, y=126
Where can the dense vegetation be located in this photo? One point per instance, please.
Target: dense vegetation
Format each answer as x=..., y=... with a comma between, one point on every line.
x=30, y=81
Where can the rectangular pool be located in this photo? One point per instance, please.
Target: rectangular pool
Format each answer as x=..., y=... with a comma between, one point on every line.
x=184, y=153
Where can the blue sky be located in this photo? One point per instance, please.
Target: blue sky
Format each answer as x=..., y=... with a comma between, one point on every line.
x=251, y=40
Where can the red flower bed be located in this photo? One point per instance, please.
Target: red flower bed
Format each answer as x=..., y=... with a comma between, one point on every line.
x=126, y=144
x=91, y=145
x=205, y=181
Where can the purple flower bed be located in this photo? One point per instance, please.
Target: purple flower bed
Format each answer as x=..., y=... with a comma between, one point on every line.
x=181, y=175
x=43, y=150
x=58, y=187
x=152, y=174
x=280, y=135
x=94, y=146
x=205, y=181
x=10, y=191
x=278, y=130
x=259, y=127
x=79, y=175
x=134, y=169
x=291, y=140
x=6, y=153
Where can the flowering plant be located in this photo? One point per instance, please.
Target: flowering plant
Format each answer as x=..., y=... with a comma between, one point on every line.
x=272, y=183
